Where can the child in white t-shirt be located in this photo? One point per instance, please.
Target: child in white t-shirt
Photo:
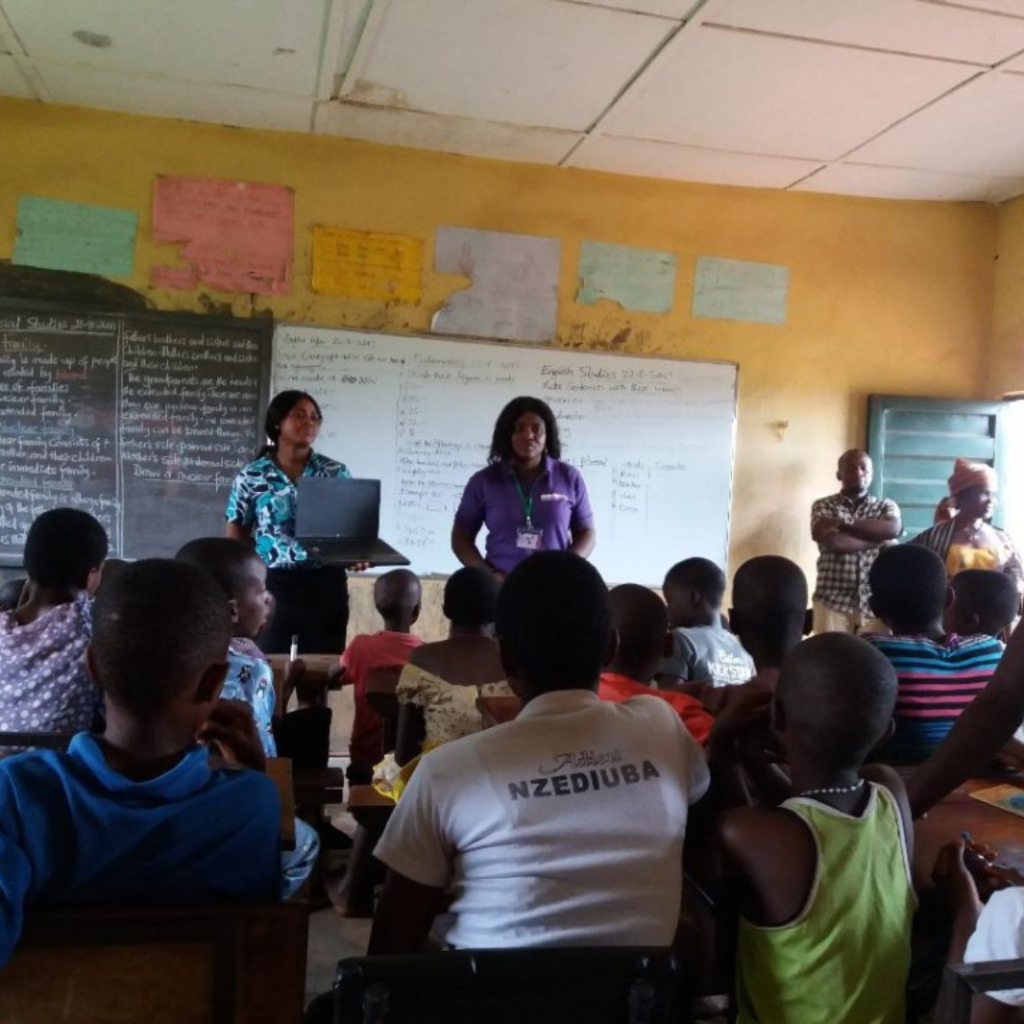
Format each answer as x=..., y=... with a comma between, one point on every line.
x=563, y=827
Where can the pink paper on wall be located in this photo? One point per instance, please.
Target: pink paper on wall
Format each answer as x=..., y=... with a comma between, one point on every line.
x=237, y=234
x=181, y=279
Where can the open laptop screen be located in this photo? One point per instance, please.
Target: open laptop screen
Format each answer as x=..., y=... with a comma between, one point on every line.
x=335, y=507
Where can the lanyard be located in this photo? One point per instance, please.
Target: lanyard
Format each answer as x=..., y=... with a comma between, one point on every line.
x=527, y=505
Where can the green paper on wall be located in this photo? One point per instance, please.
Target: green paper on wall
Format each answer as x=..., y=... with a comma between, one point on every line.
x=740, y=290
x=58, y=235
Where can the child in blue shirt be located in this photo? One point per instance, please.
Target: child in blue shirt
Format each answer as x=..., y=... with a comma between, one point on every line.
x=243, y=578
x=141, y=814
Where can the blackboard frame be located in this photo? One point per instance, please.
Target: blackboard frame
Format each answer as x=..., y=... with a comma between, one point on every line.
x=260, y=328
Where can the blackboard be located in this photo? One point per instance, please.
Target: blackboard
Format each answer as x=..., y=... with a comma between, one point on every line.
x=142, y=419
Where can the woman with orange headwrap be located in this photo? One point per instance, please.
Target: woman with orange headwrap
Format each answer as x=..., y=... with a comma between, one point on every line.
x=963, y=535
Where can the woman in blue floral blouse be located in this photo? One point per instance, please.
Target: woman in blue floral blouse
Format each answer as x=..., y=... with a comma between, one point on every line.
x=311, y=598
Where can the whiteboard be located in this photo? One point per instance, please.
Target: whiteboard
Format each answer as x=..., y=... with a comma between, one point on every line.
x=653, y=438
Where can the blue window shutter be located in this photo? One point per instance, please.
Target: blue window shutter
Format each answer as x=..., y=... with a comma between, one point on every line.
x=914, y=442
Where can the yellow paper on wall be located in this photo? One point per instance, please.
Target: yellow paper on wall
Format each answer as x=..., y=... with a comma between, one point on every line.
x=367, y=265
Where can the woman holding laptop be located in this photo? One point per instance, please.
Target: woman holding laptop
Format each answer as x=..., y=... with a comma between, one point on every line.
x=311, y=598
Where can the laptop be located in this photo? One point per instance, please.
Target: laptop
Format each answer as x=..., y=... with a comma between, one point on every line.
x=338, y=521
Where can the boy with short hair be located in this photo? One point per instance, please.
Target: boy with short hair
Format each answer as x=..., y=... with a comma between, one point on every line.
x=939, y=673
x=397, y=596
x=44, y=684
x=704, y=652
x=822, y=883
x=242, y=576
x=986, y=601
x=769, y=612
x=640, y=618
x=137, y=815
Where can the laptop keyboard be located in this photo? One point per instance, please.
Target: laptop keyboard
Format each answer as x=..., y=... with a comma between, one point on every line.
x=333, y=550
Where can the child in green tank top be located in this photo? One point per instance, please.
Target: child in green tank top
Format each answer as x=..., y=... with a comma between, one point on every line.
x=821, y=884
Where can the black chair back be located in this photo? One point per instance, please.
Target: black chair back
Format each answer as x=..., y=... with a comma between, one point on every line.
x=600, y=985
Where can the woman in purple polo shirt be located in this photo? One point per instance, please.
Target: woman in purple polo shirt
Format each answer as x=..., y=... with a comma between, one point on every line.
x=528, y=499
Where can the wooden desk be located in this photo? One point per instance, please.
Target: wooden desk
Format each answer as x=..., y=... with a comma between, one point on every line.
x=370, y=808
x=498, y=710
x=318, y=786
x=1001, y=830
x=317, y=667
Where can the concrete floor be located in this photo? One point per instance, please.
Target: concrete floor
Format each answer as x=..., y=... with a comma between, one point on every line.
x=331, y=938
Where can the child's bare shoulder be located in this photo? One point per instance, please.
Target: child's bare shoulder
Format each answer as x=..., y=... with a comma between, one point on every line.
x=754, y=839
x=769, y=857
x=740, y=825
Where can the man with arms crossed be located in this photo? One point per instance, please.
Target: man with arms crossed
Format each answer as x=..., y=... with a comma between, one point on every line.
x=850, y=528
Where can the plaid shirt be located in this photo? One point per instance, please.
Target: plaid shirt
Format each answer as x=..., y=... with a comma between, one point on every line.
x=843, y=576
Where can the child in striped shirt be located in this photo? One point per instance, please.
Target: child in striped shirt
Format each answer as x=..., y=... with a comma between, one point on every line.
x=939, y=673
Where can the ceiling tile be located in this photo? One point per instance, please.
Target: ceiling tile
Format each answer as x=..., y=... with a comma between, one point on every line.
x=528, y=62
x=265, y=44
x=162, y=97
x=664, y=160
x=901, y=183
x=776, y=97
x=965, y=133
x=1011, y=7
x=678, y=10
x=447, y=134
x=1016, y=65
x=904, y=26
x=12, y=83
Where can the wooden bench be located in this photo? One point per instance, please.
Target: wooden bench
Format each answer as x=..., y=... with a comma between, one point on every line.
x=318, y=786
x=381, y=684
x=37, y=740
x=241, y=964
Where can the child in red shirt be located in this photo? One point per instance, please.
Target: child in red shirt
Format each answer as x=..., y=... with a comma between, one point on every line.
x=641, y=621
x=396, y=596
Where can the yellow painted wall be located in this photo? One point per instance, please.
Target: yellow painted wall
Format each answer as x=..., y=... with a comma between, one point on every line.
x=1006, y=353
x=885, y=296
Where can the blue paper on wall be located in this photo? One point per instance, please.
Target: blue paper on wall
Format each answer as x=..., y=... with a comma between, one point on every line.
x=58, y=235
x=740, y=290
x=642, y=279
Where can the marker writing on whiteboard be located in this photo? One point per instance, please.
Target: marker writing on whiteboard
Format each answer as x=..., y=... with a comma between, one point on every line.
x=294, y=652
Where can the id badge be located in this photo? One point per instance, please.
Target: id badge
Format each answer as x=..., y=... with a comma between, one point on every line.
x=529, y=539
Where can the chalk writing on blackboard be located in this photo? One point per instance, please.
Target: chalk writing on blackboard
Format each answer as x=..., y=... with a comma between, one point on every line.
x=142, y=422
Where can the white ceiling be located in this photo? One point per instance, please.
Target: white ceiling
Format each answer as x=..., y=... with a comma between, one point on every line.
x=912, y=99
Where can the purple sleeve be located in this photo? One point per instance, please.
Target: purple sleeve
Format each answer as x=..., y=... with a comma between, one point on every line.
x=582, y=513
x=470, y=514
